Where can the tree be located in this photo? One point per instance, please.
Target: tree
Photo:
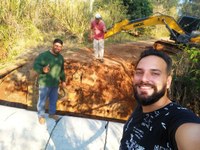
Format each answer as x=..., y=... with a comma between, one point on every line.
x=112, y=11
x=138, y=8
x=168, y=7
x=190, y=8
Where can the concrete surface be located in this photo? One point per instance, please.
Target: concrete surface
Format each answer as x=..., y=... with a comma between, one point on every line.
x=20, y=130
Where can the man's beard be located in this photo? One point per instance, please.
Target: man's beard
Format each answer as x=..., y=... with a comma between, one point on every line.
x=56, y=51
x=148, y=100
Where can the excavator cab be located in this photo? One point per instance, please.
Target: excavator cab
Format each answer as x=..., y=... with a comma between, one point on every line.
x=191, y=27
x=189, y=24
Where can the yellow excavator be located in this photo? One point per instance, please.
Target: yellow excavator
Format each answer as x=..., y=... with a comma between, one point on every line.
x=185, y=31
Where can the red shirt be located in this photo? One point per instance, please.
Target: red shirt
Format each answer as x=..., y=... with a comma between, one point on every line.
x=98, y=29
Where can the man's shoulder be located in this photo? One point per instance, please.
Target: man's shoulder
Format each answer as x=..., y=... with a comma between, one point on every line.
x=102, y=22
x=61, y=56
x=92, y=21
x=175, y=107
x=184, y=113
x=44, y=52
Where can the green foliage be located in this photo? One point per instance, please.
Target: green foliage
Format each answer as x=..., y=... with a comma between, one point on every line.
x=194, y=71
x=190, y=7
x=165, y=6
x=138, y=9
x=27, y=22
x=75, y=18
x=16, y=27
x=186, y=84
x=112, y=11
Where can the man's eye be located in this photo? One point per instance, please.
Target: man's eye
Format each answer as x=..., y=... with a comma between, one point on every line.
x=138, y=72
x=155, y=73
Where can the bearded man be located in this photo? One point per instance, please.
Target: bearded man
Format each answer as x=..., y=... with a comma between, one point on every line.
x=50, y=68
x=158, y=123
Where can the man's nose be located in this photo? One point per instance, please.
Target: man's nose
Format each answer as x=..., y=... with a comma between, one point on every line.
x=59, y=48
x=145, y=77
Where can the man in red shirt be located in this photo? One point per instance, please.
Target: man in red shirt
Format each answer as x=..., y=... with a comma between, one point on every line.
x=98, y=30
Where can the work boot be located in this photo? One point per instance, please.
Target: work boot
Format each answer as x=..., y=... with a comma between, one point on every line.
x=55, y=117
x=41, y=120
x=101, y=60
x=96, y=59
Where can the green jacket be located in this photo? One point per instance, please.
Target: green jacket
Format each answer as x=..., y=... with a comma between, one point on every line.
x=56, y=73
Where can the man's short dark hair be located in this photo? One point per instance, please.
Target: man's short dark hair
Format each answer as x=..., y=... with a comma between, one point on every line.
x=160, y=54
x=58, y=41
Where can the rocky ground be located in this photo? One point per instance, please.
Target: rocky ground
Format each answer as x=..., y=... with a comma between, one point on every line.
x=94, y=89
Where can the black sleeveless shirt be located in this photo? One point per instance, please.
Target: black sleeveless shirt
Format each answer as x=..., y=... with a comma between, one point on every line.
x=155, y=130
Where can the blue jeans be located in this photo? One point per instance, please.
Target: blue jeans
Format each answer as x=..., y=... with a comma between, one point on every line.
x=44, y=93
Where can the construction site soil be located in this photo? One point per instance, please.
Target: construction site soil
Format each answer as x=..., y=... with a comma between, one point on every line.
x=94, y=89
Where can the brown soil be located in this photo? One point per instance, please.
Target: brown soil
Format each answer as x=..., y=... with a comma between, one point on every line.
x=94, y=89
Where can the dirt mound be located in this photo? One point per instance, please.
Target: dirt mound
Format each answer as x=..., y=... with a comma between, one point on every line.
x=94, y=89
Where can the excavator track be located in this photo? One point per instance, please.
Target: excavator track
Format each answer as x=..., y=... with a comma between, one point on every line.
x=167, y=46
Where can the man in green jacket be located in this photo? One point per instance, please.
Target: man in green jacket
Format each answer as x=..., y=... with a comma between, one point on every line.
x=50, y=67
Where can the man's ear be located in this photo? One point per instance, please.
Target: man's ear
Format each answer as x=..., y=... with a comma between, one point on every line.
x=169, y=81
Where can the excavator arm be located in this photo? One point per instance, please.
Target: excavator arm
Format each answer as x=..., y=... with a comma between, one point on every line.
x=184, y=32
x=170, y=23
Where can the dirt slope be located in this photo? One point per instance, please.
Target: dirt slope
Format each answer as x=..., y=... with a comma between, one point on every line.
x=94, y=89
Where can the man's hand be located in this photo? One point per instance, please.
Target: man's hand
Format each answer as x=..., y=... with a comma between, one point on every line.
x=90, y=37
x=63, y=84
x=46, y=69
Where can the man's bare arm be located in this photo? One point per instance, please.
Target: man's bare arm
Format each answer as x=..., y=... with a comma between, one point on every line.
x=188, y=136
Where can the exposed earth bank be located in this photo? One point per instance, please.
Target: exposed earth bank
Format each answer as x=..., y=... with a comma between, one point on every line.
x=94, y=89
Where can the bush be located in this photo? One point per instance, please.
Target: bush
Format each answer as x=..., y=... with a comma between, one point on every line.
x=186, y=83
